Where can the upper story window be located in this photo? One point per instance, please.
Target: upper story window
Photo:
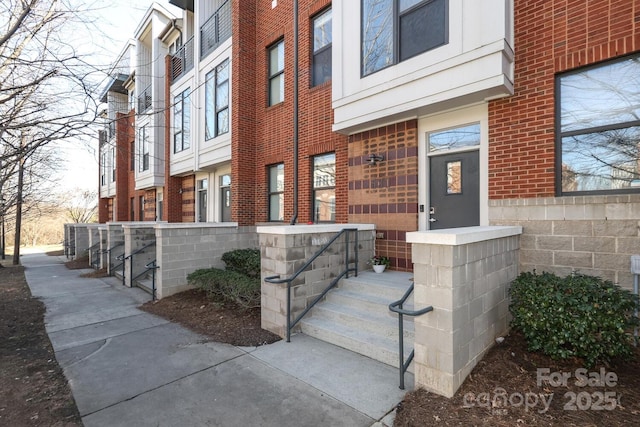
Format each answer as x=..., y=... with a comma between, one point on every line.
x=322, y=48
x=217, y=101
x=598, y=128
x=276, y=192
x=181, y=122
x=103, y=169
x=144, y=149
x=324, y=188
x=113, y=164
x=276, y=73
x=396, y=30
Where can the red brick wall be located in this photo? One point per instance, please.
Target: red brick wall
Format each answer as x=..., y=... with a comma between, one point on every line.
x=263, y=135
x=386, y=194
x=551, y=36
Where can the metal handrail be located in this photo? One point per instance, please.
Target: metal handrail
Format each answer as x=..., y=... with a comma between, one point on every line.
x=91, y=254
x=130, y=257
x=276, y=279
x=153, y=267
x=113, y=267
x=396, y=307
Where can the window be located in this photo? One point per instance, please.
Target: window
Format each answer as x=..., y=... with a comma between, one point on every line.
x=113, y=164
x=144, y=149
x=132, y=209
x=203, y=189
x=276, y=192
x=132, y=155
x=103, y=169
x=598, y=128
x=141, y=208
x=276, y=73
x=217, y=101
x=324, y=188
x=181, y=122
x=322, y=48
x=396, y=30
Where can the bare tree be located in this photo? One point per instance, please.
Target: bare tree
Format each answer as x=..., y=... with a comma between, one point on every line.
x=45, y=97
x=82, y=206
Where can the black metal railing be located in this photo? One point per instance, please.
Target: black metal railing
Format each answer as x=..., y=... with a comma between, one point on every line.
x=130, y=258
x=396, y=307
x=182, y=60
x=153, y=267
x=112, y=266
x=215, y=30
x=93, y=251
x=276, y=279
x=144, y=100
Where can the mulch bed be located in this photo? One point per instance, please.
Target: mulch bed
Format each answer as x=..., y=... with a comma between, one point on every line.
x=496, y=393
x=78, y=263
x=222, y=321
x=33, y=388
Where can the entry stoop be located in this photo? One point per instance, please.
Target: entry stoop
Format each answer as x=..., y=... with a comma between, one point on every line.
x=356, y=316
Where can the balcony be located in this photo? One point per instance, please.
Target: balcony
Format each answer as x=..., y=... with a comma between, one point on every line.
x=215, y=30
x=144, y=100
x=182, y=60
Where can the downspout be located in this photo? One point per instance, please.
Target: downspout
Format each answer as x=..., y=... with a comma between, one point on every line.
x=295, y=113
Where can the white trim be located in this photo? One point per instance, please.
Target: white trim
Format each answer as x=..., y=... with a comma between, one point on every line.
x=463, y=235
x=471, y=114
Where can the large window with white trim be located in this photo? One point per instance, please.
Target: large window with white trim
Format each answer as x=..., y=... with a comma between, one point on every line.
x=276, y=192
x=396, y=30
x=598, y=128
x=217, y=101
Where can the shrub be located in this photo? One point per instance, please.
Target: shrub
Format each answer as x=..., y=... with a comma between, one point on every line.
x=576, y=316
x=227, y=285
x=244, y=261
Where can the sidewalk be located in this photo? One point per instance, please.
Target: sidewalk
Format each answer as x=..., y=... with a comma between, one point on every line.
x=127, y=367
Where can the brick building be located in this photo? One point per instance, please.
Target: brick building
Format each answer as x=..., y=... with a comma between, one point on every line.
x=414, y=115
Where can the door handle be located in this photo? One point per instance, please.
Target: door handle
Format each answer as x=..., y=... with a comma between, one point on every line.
x=432, y=220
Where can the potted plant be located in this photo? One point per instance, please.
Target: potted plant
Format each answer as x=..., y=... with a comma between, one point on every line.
x=379, y=263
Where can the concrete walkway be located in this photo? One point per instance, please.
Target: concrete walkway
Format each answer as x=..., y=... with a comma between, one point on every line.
x=127, y=367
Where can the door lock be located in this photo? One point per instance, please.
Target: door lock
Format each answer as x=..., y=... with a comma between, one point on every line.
x=432, y=210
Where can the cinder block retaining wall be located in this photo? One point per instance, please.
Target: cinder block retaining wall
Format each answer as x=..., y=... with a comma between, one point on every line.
x=81, y=240
x=284, y=249
x=182, y=248
x=115, y=245
x=594, y=235
x=136, y=236
x=465, y=275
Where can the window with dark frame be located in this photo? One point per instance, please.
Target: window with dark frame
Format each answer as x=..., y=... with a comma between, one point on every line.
x=276, y=192
x=141, y=208
x=132, y=155
x=144, y=149
x=113, y=164
x=276, y=73
x=598, y=128
x=396, y=30
x=324, y=188
x=132, y=209
x=217, y=101
x=321, y=49
x=181, y=122
x=103, y=169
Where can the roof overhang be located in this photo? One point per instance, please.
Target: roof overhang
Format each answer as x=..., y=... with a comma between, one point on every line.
x=115, y=85
x=183, y=4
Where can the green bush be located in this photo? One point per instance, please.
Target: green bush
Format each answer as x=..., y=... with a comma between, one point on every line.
x=576, y=316
x=227, y=285
x=244, y=261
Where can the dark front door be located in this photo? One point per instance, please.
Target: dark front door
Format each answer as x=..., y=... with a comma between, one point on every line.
x=454, y=190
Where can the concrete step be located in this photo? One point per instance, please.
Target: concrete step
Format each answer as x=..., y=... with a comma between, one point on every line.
x=356, y=316
x=386, y=326
x=145, y=283
x=369, y=344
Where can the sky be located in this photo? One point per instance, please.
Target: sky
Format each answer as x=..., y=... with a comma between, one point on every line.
x=111, y=25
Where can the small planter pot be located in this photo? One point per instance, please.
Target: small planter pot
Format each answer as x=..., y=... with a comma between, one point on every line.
x=379, y=268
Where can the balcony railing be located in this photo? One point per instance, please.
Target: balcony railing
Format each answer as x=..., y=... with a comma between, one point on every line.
x=144, y=100
x=182, y=60
x=216, y=29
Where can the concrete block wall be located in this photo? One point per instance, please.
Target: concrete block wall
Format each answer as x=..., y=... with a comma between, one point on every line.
x=137, y=235
x=183, y=248
x=115, y=244
x=103, y=235
x=464, y=274
x=284, y=249
x=94, y=240
x=593, y=235
x=80, y=241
